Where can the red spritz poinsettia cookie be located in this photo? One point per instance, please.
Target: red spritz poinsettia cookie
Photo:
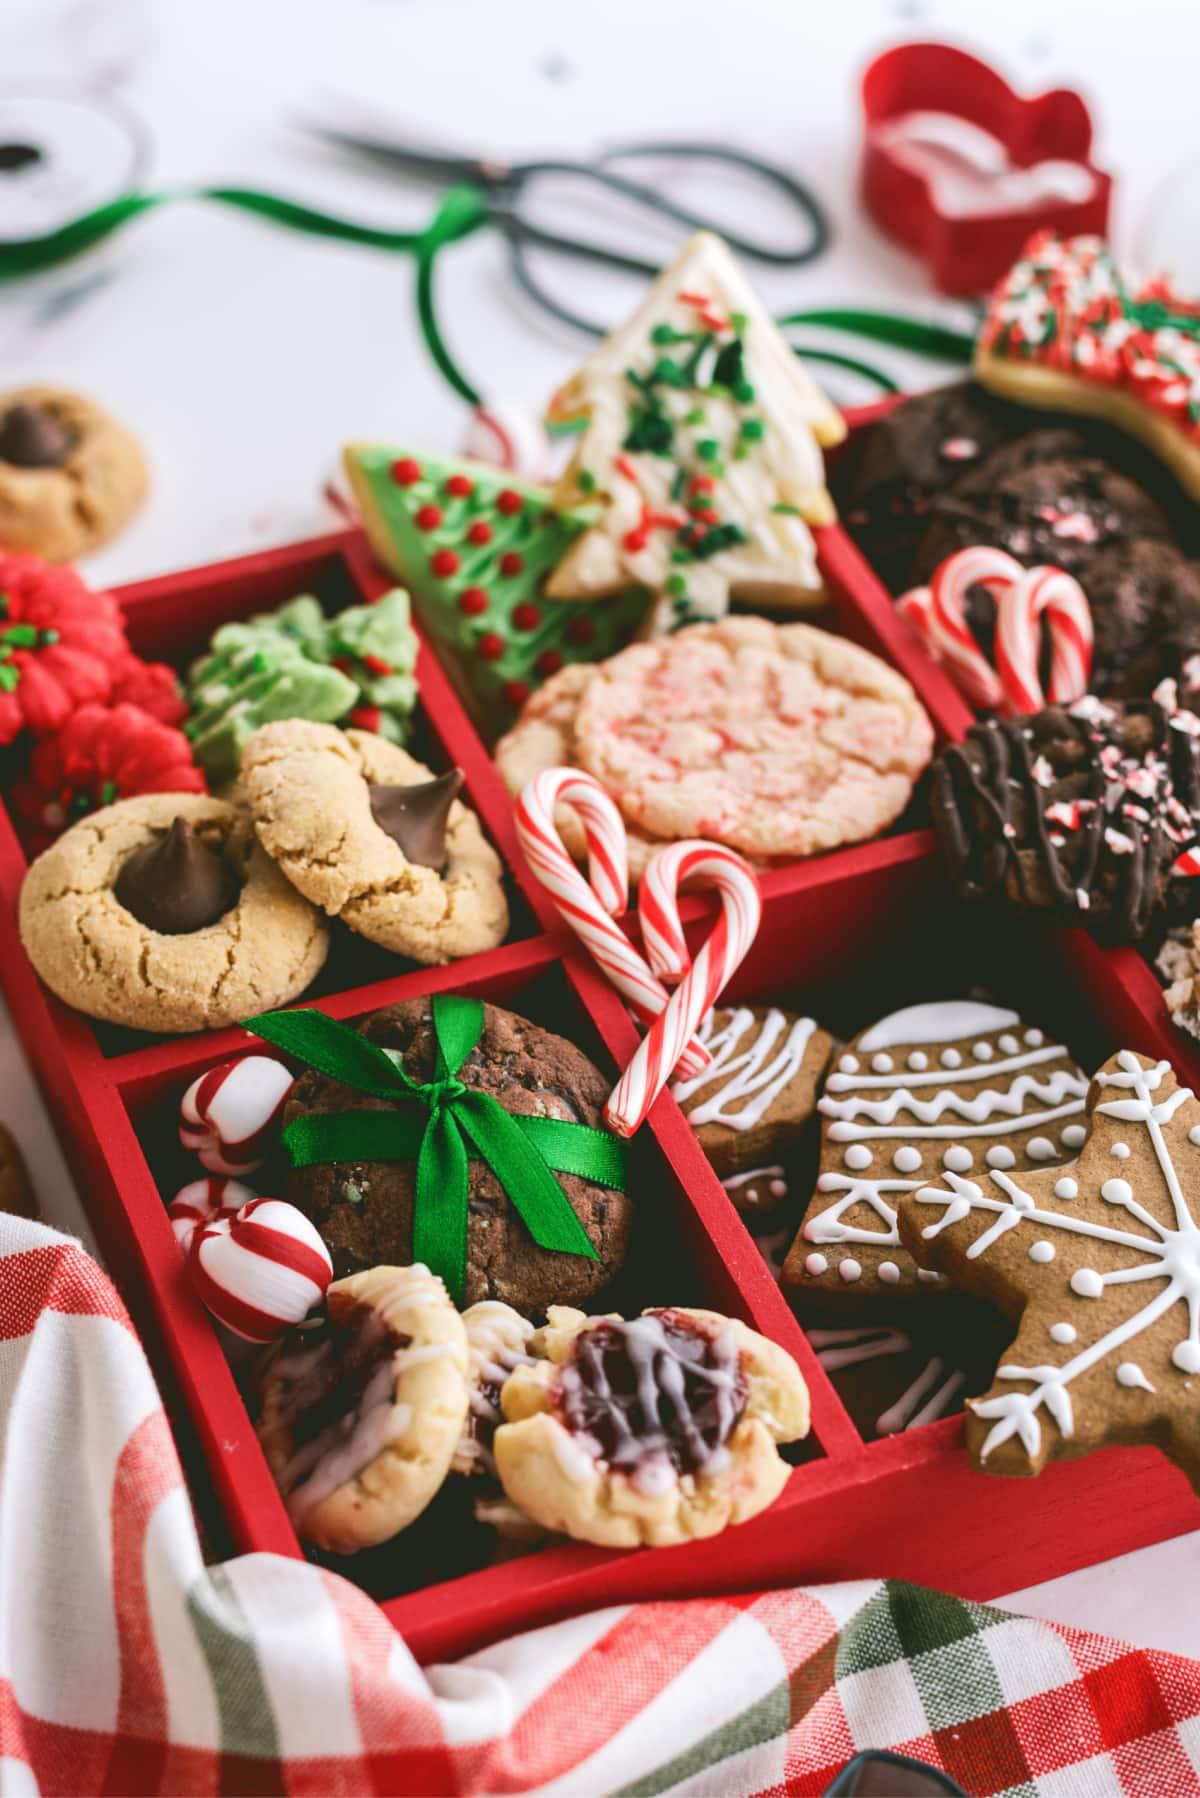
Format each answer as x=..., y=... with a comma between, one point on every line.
x=152, y=686
x=58, y=644
x=102, y=754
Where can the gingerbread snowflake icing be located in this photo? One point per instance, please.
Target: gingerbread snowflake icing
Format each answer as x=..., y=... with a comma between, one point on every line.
x=1102, y=1261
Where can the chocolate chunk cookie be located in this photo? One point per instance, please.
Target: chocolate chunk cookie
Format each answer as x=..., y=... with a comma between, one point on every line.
x=364, y=1210
x=1083, y=812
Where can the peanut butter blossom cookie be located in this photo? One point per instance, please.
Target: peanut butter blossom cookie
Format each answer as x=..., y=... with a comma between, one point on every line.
x=475, y=546
x=364, y=1406
x=1098, y=1264
x=956, y=1085
x=376, y=839
x=778, y=740
x=71, y=477
x=163, y=913
x=659, y=1430
x=700, y=441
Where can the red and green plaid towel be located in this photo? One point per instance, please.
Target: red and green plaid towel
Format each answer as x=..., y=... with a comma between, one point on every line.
x=128, y=1666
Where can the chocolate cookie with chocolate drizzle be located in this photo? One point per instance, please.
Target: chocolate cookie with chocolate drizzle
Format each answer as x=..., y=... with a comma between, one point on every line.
x=1082, y=811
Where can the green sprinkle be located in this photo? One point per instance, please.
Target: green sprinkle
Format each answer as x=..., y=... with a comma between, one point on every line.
x=695, y=416
x=722, y=536
x=708, y=449
x=753, y=430
x=22, y=636
x=586, y=481
x=675, y=585
x=649, y=430
x=108, y=792
x=9, y=677
x=47, y=637
x=677, y=555
x=788, y=511
x=739, y=322
x=743, y=393
x=678, y=484
x=727, y=369
x=5, y=602
x=664, y=333
x=667, y=372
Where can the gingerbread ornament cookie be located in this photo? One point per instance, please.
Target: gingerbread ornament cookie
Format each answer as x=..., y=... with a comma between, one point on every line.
x=955, y=1085
x=755, y=1099
x=1100, y=1263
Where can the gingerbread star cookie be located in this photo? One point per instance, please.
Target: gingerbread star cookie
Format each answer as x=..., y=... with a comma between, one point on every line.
x=954, y=1085
x=1100, y=1264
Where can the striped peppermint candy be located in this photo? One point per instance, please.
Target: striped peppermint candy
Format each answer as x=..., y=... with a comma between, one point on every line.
x=230, y=1115
x=1056, y=595
x=204, y=1202
x=586, y=905
x=260, y=1271
x=659, y=1054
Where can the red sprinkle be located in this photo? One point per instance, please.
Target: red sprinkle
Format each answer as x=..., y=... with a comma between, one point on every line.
x=580, y=631
x=429, y=518
x=511, y=563
x=516, y=693
x=366, y=717
x=526, y=617
x=548, y=663
x=479, y=532
x=377, y=665
x=509, y=501
x=472, y=601
x=460, y=485
x=343, y=664
x=624, y=466
x=490, y=646
x=444, y=563
x=702, y=483
x=406, y=471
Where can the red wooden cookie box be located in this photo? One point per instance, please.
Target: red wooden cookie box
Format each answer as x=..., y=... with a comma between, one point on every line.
x=847, y=935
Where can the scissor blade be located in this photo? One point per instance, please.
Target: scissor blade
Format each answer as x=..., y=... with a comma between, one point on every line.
x=410, y=157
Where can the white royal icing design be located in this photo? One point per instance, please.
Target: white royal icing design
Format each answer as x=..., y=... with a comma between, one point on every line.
x=1171, y=1251
x=992, y=1097
x=850, y=1348
x=753, y=1060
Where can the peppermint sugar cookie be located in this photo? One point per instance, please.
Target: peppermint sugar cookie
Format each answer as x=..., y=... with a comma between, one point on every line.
x=658, y=1430
x=755, y=1099
x=362, y=1414
x=777, y=740
x=955, y=1086
x=1098, y=1263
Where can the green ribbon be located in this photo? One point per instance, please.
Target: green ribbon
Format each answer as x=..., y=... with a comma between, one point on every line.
x=441, y=1124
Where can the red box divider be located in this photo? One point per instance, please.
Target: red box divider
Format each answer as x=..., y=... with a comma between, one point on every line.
x=909, y=1505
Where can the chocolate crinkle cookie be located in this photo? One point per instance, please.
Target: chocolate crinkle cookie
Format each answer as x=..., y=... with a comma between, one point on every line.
x=364, y=1210
x=1084, y=811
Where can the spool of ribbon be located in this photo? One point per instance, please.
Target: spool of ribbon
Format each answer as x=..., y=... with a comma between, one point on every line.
x=441, y=1124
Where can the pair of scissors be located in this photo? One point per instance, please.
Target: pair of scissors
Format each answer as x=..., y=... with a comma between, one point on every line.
x=506, y=186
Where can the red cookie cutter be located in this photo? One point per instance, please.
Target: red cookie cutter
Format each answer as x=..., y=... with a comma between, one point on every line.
x=962, y=170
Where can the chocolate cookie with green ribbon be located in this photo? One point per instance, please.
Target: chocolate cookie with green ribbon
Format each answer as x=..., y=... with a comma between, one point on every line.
x=459, y=1135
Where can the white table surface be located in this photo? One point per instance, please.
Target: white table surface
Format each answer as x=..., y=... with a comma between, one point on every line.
x=244, y=356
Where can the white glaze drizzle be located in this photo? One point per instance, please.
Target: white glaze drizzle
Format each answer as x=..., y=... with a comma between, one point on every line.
x=1172, y=1254
x=750, y=1077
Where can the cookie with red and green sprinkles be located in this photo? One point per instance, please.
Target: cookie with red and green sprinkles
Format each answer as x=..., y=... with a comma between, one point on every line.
x=475, y=545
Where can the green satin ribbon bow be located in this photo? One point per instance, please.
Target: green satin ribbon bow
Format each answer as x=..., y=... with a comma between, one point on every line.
x=441, y=1124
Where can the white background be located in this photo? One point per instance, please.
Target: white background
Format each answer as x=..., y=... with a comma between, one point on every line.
x=244, y=356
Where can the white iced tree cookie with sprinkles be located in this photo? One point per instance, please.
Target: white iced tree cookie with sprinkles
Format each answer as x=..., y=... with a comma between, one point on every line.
x=1070, y=330
x=1100, y=1264
x=657, y=1430
x=702, y=438
x=955, y=1086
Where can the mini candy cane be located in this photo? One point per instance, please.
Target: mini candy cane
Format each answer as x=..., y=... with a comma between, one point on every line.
x=659, y=1054
x=586, y=905
x=229, y=1115
x=1018, y=640
x=260, y=1271
x=204, y=1202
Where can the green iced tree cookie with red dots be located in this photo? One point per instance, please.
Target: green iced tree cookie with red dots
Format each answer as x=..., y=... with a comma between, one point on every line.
x=474, y=545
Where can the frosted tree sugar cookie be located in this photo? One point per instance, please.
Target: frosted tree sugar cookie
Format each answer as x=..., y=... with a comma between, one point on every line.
x=657, y=1430
x=755, y=1099
x=955, y=1085
x=701, y=446
x=778, y=740
x=1098, y=1264
x=362, y=1412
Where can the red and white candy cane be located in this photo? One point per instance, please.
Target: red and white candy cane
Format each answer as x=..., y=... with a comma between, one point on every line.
x=1018, y=640
x=260, y=1271
x=659, y=1054
x=1021, y=595
x=229, y=1116
x=589, y=906
x=203, y=1202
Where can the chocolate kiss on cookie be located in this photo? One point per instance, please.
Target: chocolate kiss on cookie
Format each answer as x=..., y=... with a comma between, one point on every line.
x=33, y=437
x=950, y=1086
x=1100, y=1263
x=757, y=1096
x=415, y=817
x=176, y=884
